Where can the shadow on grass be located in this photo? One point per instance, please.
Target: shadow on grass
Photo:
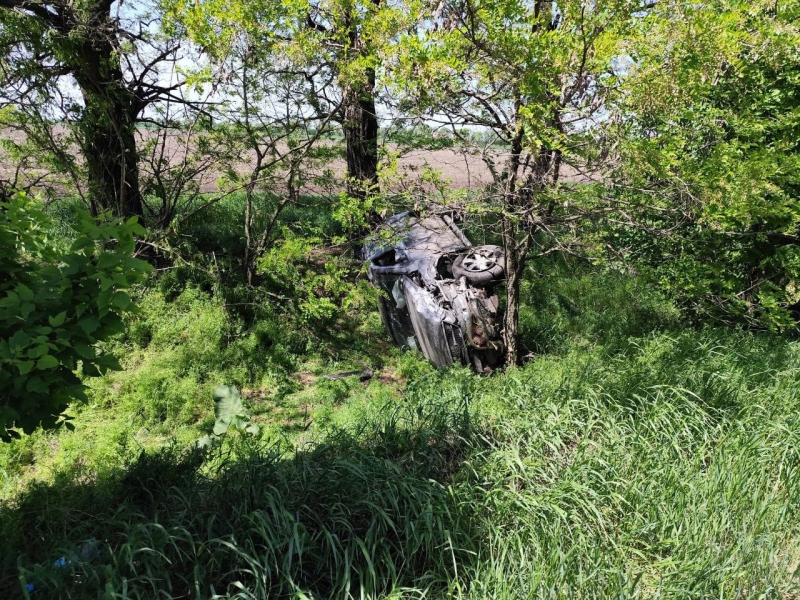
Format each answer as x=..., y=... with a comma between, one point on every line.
x=364, y=514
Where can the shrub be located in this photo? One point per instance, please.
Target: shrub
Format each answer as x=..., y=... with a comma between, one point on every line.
x=55, y=306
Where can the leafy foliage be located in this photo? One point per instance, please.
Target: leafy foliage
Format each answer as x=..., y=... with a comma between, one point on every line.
x=711, y=145
x=319, y=286
x=631, y=456
x=230, y=413
x=56, y=305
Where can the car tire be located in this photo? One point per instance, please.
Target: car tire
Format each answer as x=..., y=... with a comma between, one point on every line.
x=481, y=265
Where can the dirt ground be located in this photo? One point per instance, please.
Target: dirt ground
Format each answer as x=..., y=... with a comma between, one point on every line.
x=455, y=168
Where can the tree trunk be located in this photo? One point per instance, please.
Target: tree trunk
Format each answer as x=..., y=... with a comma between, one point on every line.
x=110, y=151
x=515, y=248
x=107, y=131
x=360, y=128
x=517, y=239
x=359, y=119
x=514, y=268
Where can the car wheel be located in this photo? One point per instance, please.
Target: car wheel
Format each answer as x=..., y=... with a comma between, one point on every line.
x=482, y=265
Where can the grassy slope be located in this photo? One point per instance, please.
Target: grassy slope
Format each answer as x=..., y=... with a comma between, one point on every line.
x=630, y=456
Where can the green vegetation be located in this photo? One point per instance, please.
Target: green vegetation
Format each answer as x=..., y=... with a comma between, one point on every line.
x=730, y=138
x=632, y=455
x=56, y=305
x=197, y=396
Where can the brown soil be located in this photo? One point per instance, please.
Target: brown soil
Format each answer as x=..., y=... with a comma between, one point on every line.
x=454, y=168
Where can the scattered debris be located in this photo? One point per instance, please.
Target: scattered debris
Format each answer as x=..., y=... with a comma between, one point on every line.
x=364, y=375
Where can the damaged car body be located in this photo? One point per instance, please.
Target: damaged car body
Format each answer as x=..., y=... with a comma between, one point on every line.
x=438, y=290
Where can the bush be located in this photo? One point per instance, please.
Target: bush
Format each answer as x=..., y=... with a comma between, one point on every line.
x=56, y=305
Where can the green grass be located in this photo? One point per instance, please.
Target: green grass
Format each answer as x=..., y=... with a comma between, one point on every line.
x=631, y=456
x=669, y=469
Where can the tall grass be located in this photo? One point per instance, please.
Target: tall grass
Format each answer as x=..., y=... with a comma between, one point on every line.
x=668, y=470
x=671, y=472
x=631, y=456
x=357, y=515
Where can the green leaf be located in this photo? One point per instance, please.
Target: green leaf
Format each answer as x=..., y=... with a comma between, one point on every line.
x=38, y=351
x=25, y=366
x=90, y=369
x=48, y=361
x=121, y=300
x=106, y=260
x=10, y=301
x=19, y=339
x=221, y=426
x=108, y=362
x=24, y=292
x=227, y=402
x=85, y=350
x=36, y=385
x=89, y=324
x=112, y=323
x=58, y=320
x=74, y=263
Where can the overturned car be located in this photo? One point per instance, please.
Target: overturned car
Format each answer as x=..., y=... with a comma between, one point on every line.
x=438, y=290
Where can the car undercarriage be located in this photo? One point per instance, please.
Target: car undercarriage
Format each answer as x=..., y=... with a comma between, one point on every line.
x=438, y=291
